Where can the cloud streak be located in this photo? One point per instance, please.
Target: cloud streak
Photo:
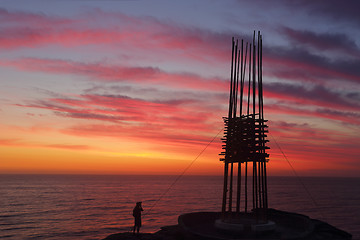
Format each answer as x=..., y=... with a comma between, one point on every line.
x=333, y=10
x=323, y=41
x=299, y=64
x=22, y=143
x=126, y=111
x=130, y=32
x=118, y=73
x=317, y=95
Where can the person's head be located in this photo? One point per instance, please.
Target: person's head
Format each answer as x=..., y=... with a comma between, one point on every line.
x=138, y=204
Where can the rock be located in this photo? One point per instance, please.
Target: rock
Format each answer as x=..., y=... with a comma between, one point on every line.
x=166, y=233
x=290, y=226
x=130, y=236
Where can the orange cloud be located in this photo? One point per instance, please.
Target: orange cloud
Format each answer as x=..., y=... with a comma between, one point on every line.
x=22, y=143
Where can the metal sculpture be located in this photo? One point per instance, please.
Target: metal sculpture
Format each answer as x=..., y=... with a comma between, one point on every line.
x=245, y=134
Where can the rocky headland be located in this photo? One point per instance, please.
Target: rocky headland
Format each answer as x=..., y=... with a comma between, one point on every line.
x=289, y=226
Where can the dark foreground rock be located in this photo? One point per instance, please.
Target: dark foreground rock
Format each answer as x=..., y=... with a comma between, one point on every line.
x=166, y=233
x=199, y=226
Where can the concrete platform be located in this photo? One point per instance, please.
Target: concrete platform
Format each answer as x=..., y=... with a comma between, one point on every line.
x=202, y=225
x=244, y=222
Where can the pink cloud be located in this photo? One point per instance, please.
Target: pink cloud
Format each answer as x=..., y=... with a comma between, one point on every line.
x=133, y=32
x=316, y=96
x=103, y=72
x=320, y=113
x=188, y=42
x=173, y=122
x=159, y=115
x=295, y=95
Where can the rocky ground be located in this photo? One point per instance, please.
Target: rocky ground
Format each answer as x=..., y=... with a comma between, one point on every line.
x=319, y=230
x=322, y=231
x=166, y=233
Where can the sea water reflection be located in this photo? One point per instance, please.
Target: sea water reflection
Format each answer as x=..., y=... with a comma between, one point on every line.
x=93, y=206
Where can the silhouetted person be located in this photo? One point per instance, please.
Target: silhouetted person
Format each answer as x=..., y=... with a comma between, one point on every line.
x=137, y=215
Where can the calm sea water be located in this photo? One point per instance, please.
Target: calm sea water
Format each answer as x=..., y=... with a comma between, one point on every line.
x=92, y=207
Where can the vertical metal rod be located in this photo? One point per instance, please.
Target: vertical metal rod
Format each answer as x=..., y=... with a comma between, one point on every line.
x=231, y=83
x=234, y=96
x=263, y=186
x=254, y=78
x=235, y=79
x=248, y=100
x=259, y=134
x=253, y=186
x=266, y=201
x=241, y=76
x=241, y=93
x=262, y=114
x=226, y=170
x=226, y=167
x=231, y=186
x=241, y=97
x=258, y=73
x=253, y=119
x=259, y=184
x=238, y=188
x=246, y=176
x=261, y=84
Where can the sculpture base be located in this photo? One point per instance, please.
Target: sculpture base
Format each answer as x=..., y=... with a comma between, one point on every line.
x=244, y=225
x=280, y=225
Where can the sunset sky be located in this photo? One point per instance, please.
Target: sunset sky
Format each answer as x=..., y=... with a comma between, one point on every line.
x=140, y=87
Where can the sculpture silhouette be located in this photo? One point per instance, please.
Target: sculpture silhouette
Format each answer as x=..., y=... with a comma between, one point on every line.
x=245, y=132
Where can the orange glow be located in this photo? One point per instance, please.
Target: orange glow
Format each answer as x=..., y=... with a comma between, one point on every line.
x=33, y=160
x=109, y=92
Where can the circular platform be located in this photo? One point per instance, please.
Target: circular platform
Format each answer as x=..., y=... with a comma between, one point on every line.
x=246, y=224
x=280, y=225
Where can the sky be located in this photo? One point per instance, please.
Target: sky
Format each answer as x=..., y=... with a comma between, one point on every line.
x=140, y=87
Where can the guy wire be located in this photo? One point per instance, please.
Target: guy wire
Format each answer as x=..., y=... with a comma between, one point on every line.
x=297, y=176
x=182, y=173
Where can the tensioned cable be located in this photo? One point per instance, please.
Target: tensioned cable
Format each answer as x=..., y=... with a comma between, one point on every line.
x=203, y=150
x=183, y=172
x=297, y=176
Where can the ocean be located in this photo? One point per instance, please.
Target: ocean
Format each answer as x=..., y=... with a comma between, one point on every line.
x=94, y=206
